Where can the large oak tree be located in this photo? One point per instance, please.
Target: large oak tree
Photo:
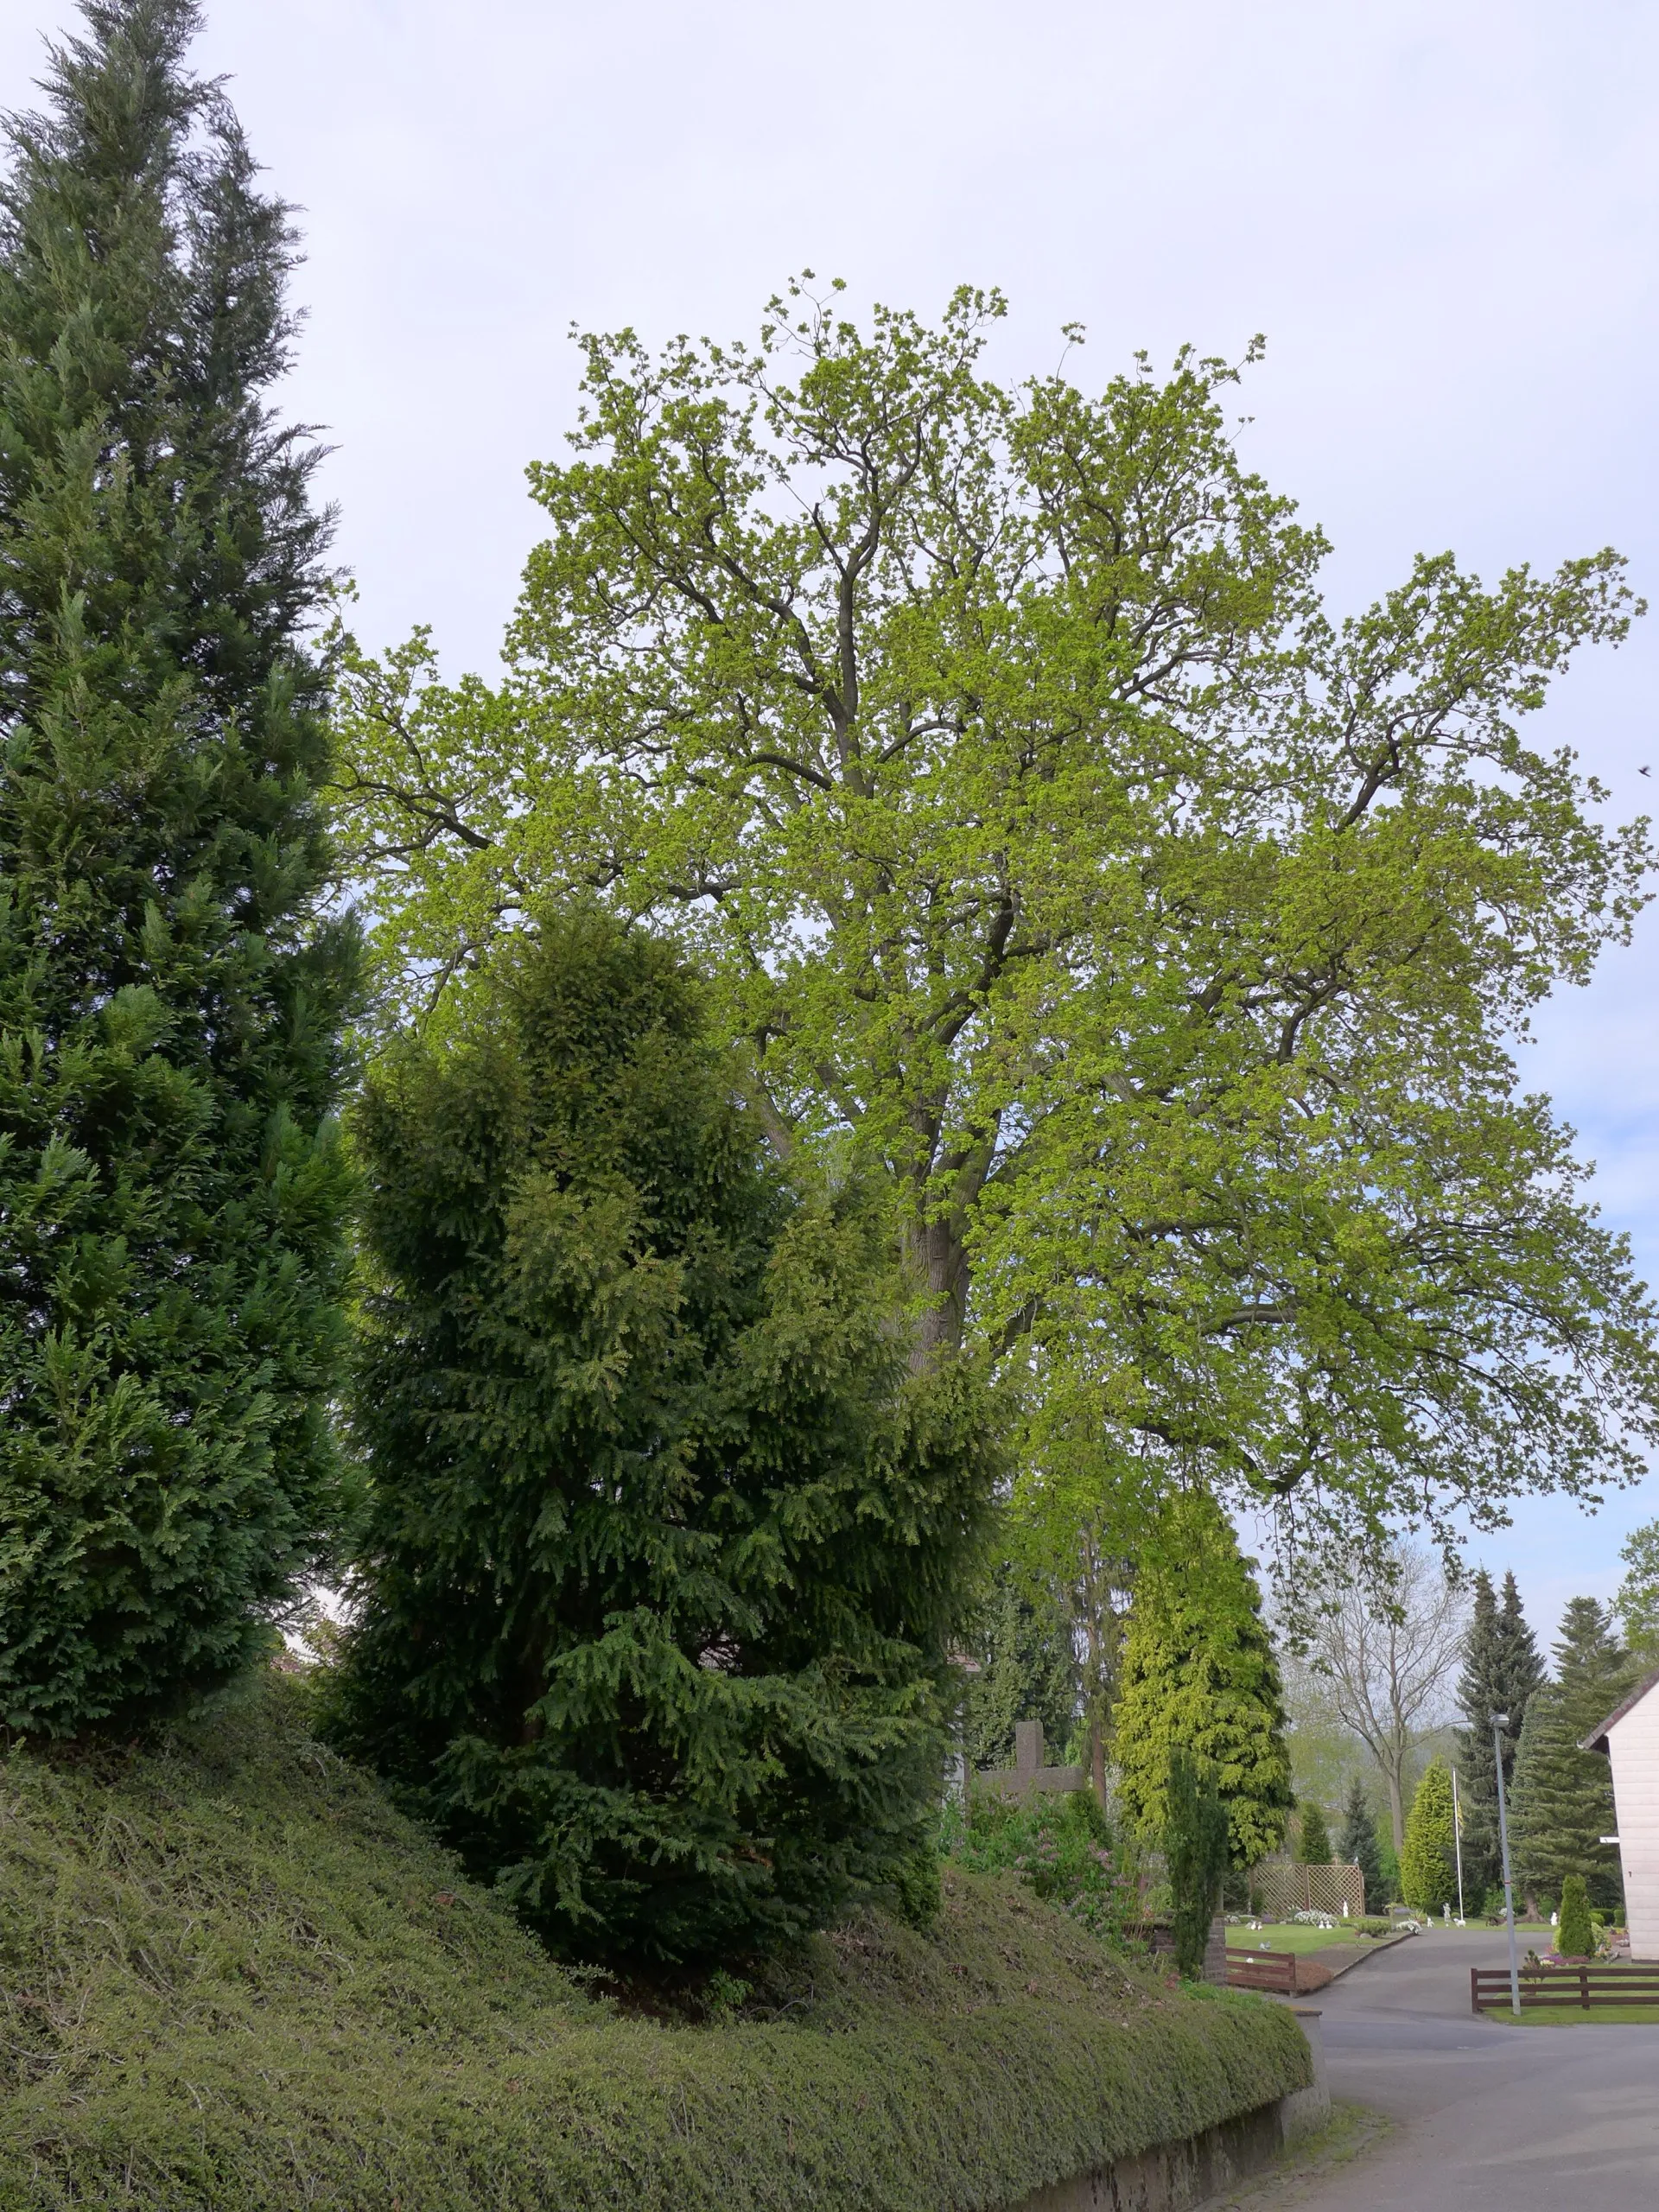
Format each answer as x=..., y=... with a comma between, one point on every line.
x=1163, y=940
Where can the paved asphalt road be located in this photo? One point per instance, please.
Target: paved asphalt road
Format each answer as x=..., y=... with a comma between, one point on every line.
x=1489, y=2119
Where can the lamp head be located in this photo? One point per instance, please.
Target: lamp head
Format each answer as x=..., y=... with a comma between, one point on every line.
x=1500, y=1720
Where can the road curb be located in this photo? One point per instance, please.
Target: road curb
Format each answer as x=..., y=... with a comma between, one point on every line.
x=1374, y=1945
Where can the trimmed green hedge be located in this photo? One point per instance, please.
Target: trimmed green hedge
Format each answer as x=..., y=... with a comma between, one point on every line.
x=231, y=1975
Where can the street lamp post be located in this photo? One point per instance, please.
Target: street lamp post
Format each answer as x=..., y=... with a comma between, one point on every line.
x=1500, y=1722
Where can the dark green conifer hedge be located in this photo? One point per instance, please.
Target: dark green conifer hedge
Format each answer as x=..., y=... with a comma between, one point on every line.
x=1563, y=1802
x=666, y=1545
x=171, y=994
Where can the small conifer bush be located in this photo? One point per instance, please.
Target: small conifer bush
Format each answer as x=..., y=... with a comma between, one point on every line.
x=666, y=1543
x=1575, y=1937
x=1314, y=1846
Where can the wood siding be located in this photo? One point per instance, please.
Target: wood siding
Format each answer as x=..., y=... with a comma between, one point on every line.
x=1633, y=1743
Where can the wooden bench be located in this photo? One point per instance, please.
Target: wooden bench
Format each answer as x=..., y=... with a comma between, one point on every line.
x=1274, y=1971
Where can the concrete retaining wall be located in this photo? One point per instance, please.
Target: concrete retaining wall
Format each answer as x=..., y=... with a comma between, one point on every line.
x=1172, y=2176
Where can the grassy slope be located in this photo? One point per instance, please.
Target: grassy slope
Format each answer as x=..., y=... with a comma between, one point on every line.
x=231, y=1975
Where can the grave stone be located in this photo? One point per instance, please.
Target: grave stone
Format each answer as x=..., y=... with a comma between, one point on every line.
x=1028, y=1773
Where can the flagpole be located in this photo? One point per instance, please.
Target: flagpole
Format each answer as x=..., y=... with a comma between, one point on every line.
x=1457, y=1841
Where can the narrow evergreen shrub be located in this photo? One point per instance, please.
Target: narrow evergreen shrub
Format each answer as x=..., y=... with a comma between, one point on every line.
x=1195, y=1852
x=1575, y=1937
x=665, y=1545
x=1427, y=1864
x=1199, y=1672
x=171, y=992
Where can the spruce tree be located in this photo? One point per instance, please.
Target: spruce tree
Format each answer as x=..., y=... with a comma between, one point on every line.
x=1200, y=1672
x=1356, y=1844
x=660, y=1576
x=171, y=994
x=1563, y=1802
x=1428, y=1865
x=1314, y=1844
x=1501, y=1670
x=1021, y=1642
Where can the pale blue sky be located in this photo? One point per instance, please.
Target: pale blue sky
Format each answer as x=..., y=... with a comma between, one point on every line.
x=1441, y=212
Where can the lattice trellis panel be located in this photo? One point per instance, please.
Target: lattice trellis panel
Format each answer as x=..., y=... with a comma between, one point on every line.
x=1283, y=1886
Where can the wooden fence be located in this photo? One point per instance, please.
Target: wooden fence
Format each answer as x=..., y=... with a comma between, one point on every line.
x=1610, y=1983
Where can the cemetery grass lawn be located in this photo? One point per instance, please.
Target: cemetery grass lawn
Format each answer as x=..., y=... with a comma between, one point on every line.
x=234, y=1978
x=1570, y=2016
x=1291, y=1935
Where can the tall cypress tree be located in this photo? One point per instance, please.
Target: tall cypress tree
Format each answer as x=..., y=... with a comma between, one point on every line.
x=1501, y=1670
x=171, y=994
x=1199, y=1674
x=1564, y=1796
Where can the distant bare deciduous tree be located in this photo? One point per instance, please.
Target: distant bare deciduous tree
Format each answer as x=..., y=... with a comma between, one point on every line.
x=1387, y=1645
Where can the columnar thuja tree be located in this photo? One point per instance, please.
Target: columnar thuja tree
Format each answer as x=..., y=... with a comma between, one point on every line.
x=1428, y=1872
x=170, y=995
x=1199, y=1677
x=666, y=1546
x=1157, y=938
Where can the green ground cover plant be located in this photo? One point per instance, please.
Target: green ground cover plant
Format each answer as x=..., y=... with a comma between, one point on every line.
x=1060, y=1844
x=233, y=1975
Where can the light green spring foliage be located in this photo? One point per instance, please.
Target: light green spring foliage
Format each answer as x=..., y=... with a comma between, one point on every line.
x=172, y=984
x=233, y=1979
x=1638, y=1601
x=1575, y=1937
x=1427, y=1864
x=1199, y=1675
x=1041, y=836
